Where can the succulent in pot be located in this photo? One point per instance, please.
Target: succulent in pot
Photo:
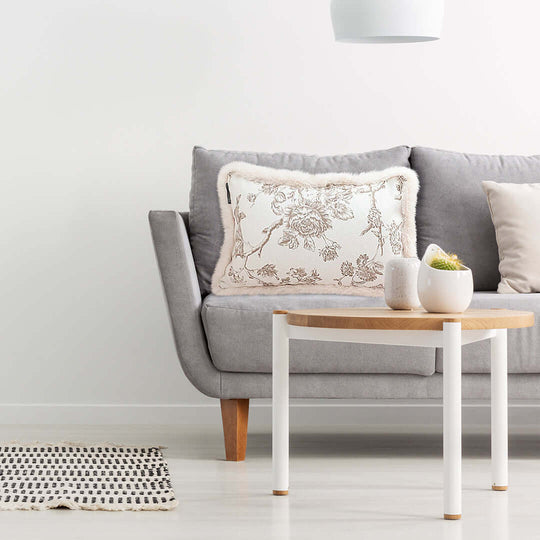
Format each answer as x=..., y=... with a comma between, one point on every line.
x=445, y=284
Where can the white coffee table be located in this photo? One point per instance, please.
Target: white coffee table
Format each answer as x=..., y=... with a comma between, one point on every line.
x=413, y=328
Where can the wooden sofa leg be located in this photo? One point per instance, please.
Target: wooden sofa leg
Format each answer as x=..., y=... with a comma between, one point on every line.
x=234, y=414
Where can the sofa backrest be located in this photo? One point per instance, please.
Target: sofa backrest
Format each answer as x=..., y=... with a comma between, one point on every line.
x=206, y=232
x=452, y=209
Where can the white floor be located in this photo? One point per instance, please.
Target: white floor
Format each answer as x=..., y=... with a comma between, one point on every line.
x=344, y=484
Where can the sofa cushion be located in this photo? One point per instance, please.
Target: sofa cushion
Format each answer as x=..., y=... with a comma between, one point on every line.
x=291, y=232
x=239, y=334
x=514, y=212
x=206, y=232
x=452, y=209
x=523, y=343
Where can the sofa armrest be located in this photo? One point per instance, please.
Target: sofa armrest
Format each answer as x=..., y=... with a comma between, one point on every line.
x=183, y=296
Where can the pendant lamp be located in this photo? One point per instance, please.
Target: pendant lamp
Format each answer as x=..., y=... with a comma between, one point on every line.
x=387, y=21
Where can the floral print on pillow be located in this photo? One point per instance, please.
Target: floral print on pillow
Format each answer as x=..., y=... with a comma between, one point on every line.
x=290, y=232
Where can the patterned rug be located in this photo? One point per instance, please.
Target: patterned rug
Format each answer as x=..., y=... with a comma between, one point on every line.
x=38, y=476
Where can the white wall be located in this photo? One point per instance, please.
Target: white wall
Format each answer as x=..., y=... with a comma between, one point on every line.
x=101, y=102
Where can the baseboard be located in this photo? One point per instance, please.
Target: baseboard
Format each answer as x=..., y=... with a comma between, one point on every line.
x=373, y=413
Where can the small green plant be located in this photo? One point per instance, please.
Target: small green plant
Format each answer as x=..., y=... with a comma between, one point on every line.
x=446, y=261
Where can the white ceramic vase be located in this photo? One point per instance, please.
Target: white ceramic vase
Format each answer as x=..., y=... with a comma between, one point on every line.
x=443, y=291
x=401, y=283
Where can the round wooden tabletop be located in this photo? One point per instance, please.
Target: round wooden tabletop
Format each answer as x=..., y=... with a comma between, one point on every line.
x=388, y=319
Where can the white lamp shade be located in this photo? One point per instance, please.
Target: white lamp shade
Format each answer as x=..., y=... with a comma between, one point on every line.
x=387, y=21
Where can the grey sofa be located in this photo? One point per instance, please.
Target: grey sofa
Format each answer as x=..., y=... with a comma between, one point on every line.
x=224, y=342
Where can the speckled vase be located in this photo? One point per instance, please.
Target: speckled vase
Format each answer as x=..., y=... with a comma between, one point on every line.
x=401, y=283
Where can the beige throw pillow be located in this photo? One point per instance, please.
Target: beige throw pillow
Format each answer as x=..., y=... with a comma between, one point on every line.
x=515, y=212
x=292, y=232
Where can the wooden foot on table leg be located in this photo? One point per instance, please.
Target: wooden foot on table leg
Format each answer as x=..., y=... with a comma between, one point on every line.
x=276, y=492
x=499, y=488
x=452, y=516
x=234, y=413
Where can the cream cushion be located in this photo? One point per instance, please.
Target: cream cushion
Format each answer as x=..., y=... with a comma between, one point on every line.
x=293, y=232
x=515, y=212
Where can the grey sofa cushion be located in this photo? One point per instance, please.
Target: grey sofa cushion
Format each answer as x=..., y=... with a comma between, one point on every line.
x=452, y=209
x=523, y=343
x=206, y=233
x=239, y=334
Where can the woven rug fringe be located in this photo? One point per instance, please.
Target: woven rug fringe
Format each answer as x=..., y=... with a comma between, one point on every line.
x=81, y=444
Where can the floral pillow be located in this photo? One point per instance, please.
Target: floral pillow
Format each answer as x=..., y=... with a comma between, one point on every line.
x=293, y=232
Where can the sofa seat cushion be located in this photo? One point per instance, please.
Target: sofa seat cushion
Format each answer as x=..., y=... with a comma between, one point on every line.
x=453, y=211
x=239, y=334
x=523, y=343
x=206, y=231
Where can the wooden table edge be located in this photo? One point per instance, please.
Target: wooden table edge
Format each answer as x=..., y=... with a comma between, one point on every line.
x=509, y=320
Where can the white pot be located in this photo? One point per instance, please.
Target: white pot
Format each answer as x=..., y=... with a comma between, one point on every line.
x=443, y=291
x=400, y=283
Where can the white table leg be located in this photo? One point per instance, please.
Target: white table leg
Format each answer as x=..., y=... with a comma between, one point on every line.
x=452, y=419
x=280, y=404
x=499, y=412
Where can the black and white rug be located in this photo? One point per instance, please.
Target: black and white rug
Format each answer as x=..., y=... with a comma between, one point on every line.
x=39, y=476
